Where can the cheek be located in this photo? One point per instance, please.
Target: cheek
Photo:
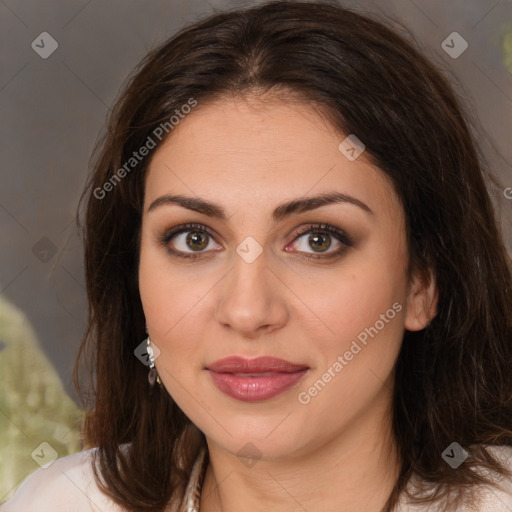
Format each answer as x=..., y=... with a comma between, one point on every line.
x=365, y=314
x=364, y=308
x=173, y=299
x=357, y=297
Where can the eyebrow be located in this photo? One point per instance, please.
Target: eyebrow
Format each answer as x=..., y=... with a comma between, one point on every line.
x=282, y=211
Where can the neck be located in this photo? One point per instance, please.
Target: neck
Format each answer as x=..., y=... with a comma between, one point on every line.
x=353, y=471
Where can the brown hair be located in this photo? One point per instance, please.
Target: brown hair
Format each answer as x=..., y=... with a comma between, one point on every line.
x=452, y=378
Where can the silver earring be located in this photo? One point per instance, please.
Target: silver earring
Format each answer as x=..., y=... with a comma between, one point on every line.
x=153, y=373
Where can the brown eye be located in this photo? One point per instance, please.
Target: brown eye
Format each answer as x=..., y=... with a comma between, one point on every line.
x=188, y=240
x=319, y=242
x=316, y=240
x=197, y=240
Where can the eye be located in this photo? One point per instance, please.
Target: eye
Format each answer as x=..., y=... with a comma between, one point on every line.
x=193, y=240
x=319, y=240
x=188, y=239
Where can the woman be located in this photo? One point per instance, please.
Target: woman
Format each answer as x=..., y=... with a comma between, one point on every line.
x=299, y=295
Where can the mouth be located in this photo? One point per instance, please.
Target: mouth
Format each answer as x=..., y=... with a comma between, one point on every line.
x=258, y=365
x=254, y=380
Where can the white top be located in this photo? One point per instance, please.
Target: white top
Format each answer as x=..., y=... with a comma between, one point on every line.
x=68, y=485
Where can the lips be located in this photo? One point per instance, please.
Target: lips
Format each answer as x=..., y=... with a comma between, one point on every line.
x=255, y=379
x=259, y=365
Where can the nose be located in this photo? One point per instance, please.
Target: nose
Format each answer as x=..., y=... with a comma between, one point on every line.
x=251, y=300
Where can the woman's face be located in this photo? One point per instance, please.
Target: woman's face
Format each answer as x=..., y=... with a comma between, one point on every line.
x=258, y=274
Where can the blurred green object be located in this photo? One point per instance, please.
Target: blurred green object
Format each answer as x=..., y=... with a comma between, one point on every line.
x=507, y=50
x=34, y=407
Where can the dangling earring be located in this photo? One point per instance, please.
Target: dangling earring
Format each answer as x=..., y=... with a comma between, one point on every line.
x=153, y=373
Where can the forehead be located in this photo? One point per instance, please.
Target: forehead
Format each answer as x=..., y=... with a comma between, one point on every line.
x=248, y=152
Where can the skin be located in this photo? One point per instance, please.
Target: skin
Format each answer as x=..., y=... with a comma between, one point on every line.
x=335, y=452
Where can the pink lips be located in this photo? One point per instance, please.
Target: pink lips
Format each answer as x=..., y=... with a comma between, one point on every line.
x=256, y=379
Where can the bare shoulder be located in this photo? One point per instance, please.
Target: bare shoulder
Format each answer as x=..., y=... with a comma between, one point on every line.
x=499, y=500
x=485, y=498
x=503, y=453
x=66, y=485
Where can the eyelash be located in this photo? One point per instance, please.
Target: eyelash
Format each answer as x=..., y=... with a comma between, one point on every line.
x=339, y=234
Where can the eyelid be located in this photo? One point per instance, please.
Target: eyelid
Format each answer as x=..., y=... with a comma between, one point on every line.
x=183, y=228
x=342, y=235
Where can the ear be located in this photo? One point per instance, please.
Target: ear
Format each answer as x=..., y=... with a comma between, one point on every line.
x=421, y=302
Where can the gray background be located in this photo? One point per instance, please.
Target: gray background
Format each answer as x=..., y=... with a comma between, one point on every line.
x=53, y=109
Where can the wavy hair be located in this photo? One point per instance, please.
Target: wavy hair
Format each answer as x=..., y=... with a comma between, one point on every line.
x=453, y=380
